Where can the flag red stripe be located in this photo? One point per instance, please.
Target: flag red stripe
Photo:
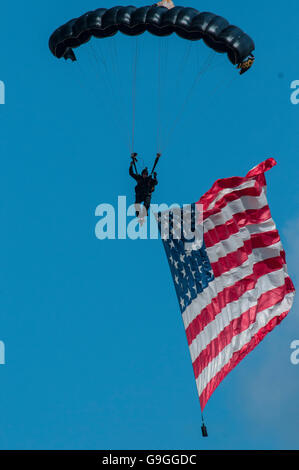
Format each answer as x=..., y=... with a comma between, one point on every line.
x=238, y=257
x=253, y=191
x=233, y=225
x=264, y=239
x=226, y=183
x=229, y=183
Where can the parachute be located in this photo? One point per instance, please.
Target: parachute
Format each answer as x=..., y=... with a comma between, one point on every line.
x=159, y=21
x=188, y=23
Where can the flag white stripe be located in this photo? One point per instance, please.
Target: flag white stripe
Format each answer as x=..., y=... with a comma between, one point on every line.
x=226, y=191
x=236, y=241
x=235, y=207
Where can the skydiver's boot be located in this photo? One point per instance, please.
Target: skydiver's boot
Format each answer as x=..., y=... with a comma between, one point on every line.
x=138, y=209
x=147, y=203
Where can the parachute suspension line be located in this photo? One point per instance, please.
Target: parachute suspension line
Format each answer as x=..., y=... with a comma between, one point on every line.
x=134, y=83
x=80, y=75
x=119, y=86
x=159, y=97
x=98, y=54
x=205, y=67
x=161, y=88
x=83, y=81
x=220, y=62
x=182, y=65
x=181, y=68
x=97, y=59
x=99, y=71
x=225, y=85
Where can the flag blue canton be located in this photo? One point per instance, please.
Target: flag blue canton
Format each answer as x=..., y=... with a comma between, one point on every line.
x=190, y=268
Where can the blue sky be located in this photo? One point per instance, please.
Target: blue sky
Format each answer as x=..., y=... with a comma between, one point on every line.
x=96, y=353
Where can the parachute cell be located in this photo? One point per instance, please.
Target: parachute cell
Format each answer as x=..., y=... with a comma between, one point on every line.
x=187, y=23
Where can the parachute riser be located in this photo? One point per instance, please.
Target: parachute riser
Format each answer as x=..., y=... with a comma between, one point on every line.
x=156, y=163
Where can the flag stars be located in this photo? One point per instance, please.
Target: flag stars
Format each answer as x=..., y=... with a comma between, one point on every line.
x=171, y=244
x=190, y=266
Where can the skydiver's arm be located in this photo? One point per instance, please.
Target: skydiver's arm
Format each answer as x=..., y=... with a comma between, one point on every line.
x=131, y=172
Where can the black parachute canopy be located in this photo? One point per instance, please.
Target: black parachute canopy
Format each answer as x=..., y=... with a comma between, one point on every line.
x=187, y=23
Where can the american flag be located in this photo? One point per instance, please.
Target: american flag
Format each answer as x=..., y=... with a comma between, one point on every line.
x=233, y=288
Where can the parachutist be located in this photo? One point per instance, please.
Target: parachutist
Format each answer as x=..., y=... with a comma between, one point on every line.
x=144, y=188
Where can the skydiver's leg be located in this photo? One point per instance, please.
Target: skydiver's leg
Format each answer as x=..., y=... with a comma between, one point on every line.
x=147, y=202
x=138, y=201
